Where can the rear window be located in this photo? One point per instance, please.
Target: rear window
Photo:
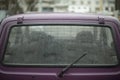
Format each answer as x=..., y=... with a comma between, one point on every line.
x=60, y=45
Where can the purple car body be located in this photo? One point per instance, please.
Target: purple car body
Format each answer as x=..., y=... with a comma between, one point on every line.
x=27, y=72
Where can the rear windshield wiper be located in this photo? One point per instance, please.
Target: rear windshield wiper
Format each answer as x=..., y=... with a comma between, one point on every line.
x=61, y=73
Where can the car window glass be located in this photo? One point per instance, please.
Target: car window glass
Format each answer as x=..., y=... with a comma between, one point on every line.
x=60, y=45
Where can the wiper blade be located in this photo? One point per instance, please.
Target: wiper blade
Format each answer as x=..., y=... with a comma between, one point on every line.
x=61, y=73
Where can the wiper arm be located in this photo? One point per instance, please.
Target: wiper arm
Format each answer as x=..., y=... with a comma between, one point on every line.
x=61, y=73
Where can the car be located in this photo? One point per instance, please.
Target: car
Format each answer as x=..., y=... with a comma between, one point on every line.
x=59, y=46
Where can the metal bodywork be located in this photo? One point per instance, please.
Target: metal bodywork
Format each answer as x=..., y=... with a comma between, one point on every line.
x=50, y=73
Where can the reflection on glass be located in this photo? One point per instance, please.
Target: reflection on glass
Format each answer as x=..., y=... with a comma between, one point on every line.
x=60, y=44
